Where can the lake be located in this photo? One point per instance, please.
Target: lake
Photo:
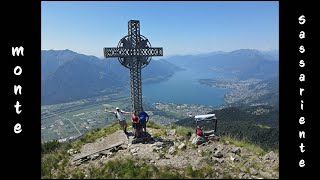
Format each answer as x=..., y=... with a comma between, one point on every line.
x=183, y=88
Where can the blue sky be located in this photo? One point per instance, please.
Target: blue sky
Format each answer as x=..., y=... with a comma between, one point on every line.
x=179, y=27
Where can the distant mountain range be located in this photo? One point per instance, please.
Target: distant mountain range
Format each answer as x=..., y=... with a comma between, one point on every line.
x=68, y=76
x=244, y=63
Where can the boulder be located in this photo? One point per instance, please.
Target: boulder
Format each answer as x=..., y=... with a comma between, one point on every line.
x=241, y=175
x=105, y=152
x=156, y=144
x=270, y=156
x=172, y=149
x=218, y=154
x=194, y=140
x=157, y=149
x=170, y=132
x=247, y=164
x=180, y=138
x=200, y=140
x=236, y=150
x=232, y=158
x=60, y=163
x=246, y=154
x=110, y=154
x=182, y=146
x=70, y=151
x=78, y=162
x=94, y=156
x=134, y=150
x=266, y=175
x=103, y=158
x=243, y=169
x=193, y=136
x=214, y=159
x=253, y=171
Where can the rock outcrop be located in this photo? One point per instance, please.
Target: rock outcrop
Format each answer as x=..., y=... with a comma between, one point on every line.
x=223, y=157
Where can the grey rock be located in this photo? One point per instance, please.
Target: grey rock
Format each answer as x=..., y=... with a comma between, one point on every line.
x=193, y=136
x=214, y=159
x=157, y=149
x=215, y=138
x=235, y=158
x=170, y=132
x=253, y=171
x=172, y=149
x=218, y=154
x=270, y=156
x=266, y=175
x=103, y=157
x=246, y=176
x=182, y=146
x=115, y=149
x=243, y=169
x=94, y=156
x=156, y=144
x=232, y=158
x=122, y=147
x=134, y=150
x=104, y=152
x=175, y=143
x=180, y=138
x=236, y=150
x=200, y=140
x=110, y=154
x=241, y=175
x=78, y=162
x=166, y=156
x=246, y=154
x=60, y=163
x=194, y=140
x=247, y=164
x=70, y=151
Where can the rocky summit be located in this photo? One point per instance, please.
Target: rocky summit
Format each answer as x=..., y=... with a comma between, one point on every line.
x=163, y=154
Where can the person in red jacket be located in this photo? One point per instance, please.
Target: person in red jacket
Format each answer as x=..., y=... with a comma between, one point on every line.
x=199, y=131
x=135, y=124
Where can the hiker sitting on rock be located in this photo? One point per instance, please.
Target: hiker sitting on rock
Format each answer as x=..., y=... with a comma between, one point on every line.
x=121, y=119
x=135, y=124
x=199, y=131
x=200, y=136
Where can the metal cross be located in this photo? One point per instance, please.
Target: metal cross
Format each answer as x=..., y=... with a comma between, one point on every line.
x=134, y=51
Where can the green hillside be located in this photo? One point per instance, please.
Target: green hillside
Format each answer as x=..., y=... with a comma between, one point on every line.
x=257, y=124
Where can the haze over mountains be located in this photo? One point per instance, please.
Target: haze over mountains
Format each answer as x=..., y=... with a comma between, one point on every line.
x=68, y=76
x=244, y=63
